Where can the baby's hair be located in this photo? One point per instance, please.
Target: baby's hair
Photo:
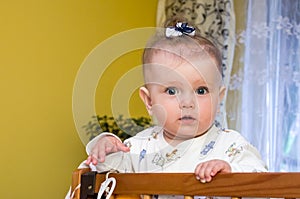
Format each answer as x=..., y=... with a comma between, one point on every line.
x=196, y=44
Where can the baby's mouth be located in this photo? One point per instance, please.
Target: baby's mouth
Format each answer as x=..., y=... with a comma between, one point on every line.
x=185, y=118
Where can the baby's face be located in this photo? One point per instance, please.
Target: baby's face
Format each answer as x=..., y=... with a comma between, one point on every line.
x=184, y=95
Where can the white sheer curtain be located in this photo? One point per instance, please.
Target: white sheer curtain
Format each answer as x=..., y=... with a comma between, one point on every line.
x=271, y=79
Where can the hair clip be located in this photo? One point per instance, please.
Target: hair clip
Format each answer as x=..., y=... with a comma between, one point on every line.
x=180, y=29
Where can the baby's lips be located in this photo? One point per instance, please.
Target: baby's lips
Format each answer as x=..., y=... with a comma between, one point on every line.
x=187, y=118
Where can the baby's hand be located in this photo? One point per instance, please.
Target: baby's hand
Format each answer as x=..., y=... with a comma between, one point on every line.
x=206, y=170
x=104, y=146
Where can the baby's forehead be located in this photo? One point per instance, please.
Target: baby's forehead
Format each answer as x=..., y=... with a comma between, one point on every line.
x=169, y=67
x=172, y=59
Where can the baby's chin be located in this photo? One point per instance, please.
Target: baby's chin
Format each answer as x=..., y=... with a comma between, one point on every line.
x=189, y=131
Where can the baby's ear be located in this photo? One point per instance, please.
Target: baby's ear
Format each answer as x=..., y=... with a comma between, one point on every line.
x=145, y=96
x=221, y=96
x=222, y=93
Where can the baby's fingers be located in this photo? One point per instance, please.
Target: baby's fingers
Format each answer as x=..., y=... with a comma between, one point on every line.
x=91, y=159
x=207, y=170
x=204, y=172
x=88, y=160
x=122, y=147
x=99, y=154
x=104, y=146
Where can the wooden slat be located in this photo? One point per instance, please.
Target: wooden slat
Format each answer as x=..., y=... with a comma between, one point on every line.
x=281, y=185
x=76, y=178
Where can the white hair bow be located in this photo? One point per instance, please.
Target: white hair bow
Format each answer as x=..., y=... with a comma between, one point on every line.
x=180, y=29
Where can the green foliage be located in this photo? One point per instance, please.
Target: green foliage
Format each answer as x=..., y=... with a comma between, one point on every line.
x=120, y=126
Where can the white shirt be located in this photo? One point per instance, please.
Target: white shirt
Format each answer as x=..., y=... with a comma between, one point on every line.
x=149, y=152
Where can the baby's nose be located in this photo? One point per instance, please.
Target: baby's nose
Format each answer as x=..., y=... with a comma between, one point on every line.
x=187, y=101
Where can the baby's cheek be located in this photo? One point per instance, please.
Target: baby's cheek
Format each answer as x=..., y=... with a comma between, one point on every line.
x=207, y=114
x=159, y=114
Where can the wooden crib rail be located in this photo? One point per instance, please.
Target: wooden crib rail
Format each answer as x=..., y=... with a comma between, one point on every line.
x=263, y=185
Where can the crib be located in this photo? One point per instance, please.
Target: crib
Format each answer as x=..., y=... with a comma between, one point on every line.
x=86, y=184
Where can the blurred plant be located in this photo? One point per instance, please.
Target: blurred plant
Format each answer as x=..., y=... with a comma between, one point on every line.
x=120, y=126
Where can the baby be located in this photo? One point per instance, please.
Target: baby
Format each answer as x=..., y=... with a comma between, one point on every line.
x=182, y=92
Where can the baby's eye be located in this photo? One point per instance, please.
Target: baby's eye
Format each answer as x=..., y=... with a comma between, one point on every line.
x=171, y=91
x=202, y=90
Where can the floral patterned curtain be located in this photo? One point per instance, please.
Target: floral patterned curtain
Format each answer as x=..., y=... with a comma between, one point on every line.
x=261, y=51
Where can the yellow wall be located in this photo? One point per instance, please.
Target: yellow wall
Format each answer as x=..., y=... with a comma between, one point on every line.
x=42, y=45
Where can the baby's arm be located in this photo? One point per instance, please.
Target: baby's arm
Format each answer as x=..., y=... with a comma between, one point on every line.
x=102, y=146
x=205, y=171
